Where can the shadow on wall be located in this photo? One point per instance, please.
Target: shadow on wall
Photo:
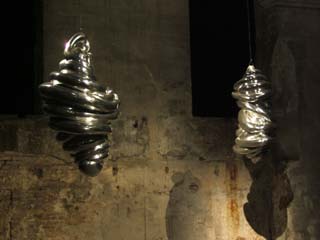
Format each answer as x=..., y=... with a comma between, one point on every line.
x=187, y=205
x=270, y=195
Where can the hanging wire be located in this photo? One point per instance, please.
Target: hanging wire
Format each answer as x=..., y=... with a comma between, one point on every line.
x=80, y=16
x=250, y=42
x=80, y=23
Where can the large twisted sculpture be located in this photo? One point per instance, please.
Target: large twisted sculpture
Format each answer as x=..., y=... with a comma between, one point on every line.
x=253, y=93
x=80, y=109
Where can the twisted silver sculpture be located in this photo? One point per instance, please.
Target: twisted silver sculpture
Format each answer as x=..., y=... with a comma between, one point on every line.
x=253, y=94
x=80, y=109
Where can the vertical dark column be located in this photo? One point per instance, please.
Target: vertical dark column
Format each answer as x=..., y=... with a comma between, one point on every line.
x=288, y=52
x=37, y=41
x=22, y=58
x=219, y=54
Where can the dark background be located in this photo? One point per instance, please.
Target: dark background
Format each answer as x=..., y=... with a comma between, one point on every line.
x=219, y=56
x=22, y=57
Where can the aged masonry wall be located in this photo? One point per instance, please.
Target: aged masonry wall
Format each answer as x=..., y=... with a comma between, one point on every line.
x=170, y=176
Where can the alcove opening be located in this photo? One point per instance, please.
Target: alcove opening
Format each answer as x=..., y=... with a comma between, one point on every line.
x=22, y=58
x=219, y=43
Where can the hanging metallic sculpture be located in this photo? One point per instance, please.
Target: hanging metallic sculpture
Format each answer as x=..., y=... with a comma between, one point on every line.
x=253, y=94
x=80, y=109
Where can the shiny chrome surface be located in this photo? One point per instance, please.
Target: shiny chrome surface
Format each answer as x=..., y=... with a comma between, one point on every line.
x=80, y=109
x=253, y=93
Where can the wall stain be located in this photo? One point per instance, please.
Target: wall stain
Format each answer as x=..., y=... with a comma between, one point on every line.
x=128, y=212
x=194, y=187
x=234, y=212
x=216, y=171
x=232, y=186
x=240, y=238
x=38, y=172
x=115, y=170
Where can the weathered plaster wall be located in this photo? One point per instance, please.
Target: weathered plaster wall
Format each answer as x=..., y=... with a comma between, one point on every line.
x=170, y=175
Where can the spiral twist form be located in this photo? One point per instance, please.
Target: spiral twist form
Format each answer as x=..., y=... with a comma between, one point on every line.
x=80, y=109
x=253, y=94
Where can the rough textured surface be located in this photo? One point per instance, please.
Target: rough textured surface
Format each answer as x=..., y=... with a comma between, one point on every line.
x=183, y=190
x=288, y=51
x=170, y=176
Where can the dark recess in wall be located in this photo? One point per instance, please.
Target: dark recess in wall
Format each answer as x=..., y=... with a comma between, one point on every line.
x=22, y=57
x=219, y=54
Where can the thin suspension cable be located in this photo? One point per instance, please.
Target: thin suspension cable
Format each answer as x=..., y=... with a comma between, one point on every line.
x=80, y=23
x=80, y=16
x=249, y=33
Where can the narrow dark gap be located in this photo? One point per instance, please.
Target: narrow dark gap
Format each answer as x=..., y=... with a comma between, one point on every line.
x=219, y=54
x=22, y=58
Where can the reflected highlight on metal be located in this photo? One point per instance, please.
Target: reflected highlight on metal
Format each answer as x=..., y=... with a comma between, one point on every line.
x=80, y=109
x=253, y=94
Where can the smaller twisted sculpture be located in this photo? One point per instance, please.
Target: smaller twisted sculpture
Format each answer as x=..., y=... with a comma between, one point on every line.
x=253, y=94
x=80, y=109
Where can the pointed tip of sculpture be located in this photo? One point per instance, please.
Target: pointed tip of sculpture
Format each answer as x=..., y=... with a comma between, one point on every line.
x=90, y=168
x=251, y=68
x=78, y=43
